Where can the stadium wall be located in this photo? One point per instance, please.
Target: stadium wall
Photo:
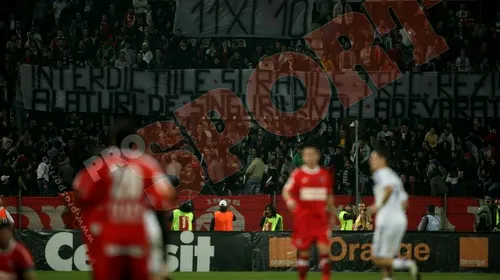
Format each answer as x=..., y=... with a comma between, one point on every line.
x=53, y=213
x=268, y=251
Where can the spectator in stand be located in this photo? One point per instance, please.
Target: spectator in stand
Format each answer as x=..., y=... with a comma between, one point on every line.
x=174, y=167
x=413, y=188
x=447, y=137
x=365, y=55
x=385, y=133
x=364, y=152
x=432, y=138
x=66, y=172
x=254, y=173
x=462, y=62
x=43, y=178
x=140, y=6
x=287, y=167
x=493, y=183
x=340, y=10
x=297, y=157
x=346, y=179
x=347, y=59
x=121, y=62
x=140, y=34
x=435, y=180
x=58, y=7
x=453, y=180
x=215, y=168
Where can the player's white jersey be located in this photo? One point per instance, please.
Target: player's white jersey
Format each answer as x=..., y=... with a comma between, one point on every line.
x=392, y=211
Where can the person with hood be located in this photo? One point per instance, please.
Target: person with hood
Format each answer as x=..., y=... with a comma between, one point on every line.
x=183, y=218
x=430, y=222
x=271, y=220
x=486, y=216
x=436, y=181
x=222, y=219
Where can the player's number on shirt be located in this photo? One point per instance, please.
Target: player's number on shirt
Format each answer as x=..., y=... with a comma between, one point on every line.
x=127, y=192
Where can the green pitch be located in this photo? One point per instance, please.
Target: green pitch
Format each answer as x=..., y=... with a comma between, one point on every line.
x=44, y=275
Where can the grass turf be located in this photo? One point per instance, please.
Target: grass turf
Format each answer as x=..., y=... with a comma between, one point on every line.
x=46, y=275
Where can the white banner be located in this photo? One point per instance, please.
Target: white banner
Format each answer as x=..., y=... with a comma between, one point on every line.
x=160, y=93
x=244, y=18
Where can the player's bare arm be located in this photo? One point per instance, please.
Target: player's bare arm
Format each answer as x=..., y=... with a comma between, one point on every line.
x=79, y=186
x=331, y=210
x=290, y=202
x=387, y=193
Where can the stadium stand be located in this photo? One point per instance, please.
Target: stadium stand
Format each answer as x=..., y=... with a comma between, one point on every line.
x=457, y=157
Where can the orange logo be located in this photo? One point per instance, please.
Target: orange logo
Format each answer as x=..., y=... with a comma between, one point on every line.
x=282, y=253
x=473, y=252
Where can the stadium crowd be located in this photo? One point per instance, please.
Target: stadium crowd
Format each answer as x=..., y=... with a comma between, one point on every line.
x=433, y=157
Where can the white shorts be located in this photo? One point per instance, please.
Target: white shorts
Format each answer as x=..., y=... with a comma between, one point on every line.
x=387, y=239
x=154, y=233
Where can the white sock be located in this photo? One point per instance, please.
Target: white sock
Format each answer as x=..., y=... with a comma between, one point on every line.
x=387, y=278
x=399, y=264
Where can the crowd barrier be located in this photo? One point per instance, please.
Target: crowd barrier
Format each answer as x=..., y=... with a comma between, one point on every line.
x=53, y=213
x=267, y=251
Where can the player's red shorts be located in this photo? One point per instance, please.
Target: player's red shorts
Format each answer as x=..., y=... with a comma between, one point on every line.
x=304, y=237
x=121, y=257
x=112, y=264
x=96, y=260
x=121, y=267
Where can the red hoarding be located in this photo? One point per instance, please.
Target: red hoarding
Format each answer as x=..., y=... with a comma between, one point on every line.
x=52, y=212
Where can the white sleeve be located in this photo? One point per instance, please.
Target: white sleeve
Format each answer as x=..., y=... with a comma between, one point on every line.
x=9, y=217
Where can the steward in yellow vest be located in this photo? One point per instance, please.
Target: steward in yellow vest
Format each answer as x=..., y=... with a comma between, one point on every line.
x=271, y=221
x=346, y=218
x=182, y=218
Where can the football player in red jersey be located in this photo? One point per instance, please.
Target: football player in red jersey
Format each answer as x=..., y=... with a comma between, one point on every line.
x=16, y=262
x=119, y=195
x=309, y=196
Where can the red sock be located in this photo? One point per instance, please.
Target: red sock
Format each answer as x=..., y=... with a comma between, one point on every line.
x=303, y=267
x=325, y=266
